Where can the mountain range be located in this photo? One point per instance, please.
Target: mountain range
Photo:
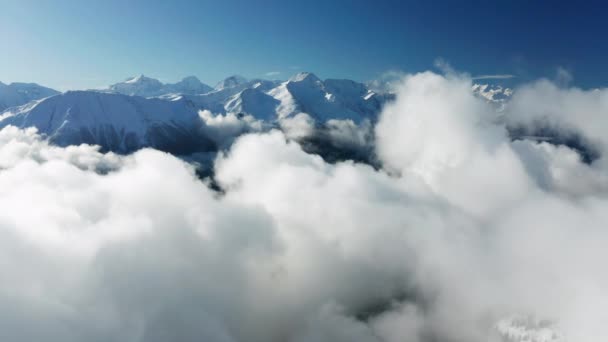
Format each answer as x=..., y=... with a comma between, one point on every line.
x=150, y=87
x=144, y=112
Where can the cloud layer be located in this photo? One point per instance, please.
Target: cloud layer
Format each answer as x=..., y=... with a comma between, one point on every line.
x=459, y=228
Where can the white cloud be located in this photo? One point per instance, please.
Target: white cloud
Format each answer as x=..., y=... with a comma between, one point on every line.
x=494, y=77
x=272, y=73
x=224, y=128
x=299, y=126
x=387, y=81
x=563, y=76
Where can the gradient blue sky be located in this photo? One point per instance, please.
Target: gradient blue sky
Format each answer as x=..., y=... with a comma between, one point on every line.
x=75, y=44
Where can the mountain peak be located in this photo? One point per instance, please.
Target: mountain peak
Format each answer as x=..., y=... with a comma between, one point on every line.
x=492, y=93
x=116, y=122
x=191, y=79
x=231, y=82
x=189, y=85
x=304, y=76
x=17, y=94
x=141, y=79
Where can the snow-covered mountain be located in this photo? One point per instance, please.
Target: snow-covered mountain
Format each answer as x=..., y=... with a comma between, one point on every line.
x=116, y=122
x=142, y=111
x=303, y=93
x=255, y=102
x=493, y=93
x=17, y=94
x=332, y=99
x=189, y=85
x=231, y=82
x=150, y=87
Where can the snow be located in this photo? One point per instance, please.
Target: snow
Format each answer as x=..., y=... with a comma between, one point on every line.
x=140, y=86
x=136, y=79
x=271, y=100
x=150, y=87
x=115, y=121
x=189, y=85
x=254, y=102
x=17, y=94
x=305, y=76
x=332, y=99
x=492, y=93
x=135, y=113
x=231, y=82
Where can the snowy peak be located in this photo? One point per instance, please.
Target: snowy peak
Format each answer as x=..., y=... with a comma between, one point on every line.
x=138, y=86
x=116, y=122
x=308, y=77
x=492, y=93
x=18, y=94
x=150, y=87
x=254, y=102
x=190, y=81
x=346, y=88
x=165, y=116
x=231, y=82
x=141, y=79
x=263, y=85
x=190, y=85
x=32, y=90
x=303, y=92
x=329, y=99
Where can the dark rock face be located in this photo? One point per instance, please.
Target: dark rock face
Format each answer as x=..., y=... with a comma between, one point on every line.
x=539, y=132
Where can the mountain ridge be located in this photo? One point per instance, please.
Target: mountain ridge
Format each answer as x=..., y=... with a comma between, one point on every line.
x=144, y=112
x=19, y=93
x=149, y=87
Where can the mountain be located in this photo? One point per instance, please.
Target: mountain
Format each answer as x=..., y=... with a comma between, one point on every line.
x=493, y=93
x=139, y=86
x=357, y=96
x=305, y=92
x=268, y=100
x=17, y=94
x=255, y=102
x=228, y=99
x=150, y=87
x=116, y=122
x=332, y=99
x=189, y=85
x=231, y=82
x=144, y=112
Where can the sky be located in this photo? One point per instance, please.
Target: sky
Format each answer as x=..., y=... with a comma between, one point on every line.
x=74, y=44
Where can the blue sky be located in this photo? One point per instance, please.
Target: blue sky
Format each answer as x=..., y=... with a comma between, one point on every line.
x=75, y=44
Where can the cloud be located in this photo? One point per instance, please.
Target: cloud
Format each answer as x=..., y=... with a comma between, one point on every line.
x=443, y=65
x=272, y=73
x=460, y=228
x=299, y=126
x=494, y=77
x=563, y=77
x=387, y=81
x=224, y=128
